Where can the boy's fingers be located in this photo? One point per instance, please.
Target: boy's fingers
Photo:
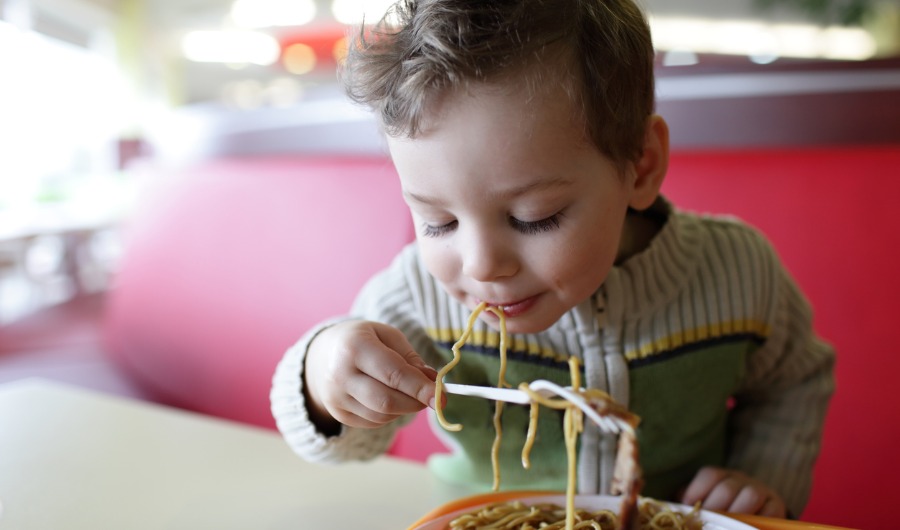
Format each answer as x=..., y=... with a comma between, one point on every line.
x=722, y=489
x=384, y=403
x=354, y=414
x=774, y=507
x=400, y=367
x=395, y=340
x=428, y=371
x=724, y=494
x=702, y=484
x=749, y=500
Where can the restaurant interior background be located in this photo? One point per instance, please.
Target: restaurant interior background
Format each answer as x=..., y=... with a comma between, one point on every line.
x=91, y=88
x=93, y=92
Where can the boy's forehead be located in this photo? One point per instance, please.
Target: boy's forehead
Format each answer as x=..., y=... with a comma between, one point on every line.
x=491, y=130
x=510, y=103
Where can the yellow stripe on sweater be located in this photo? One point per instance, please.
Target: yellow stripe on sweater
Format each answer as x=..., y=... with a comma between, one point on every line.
x=491, y=339
x=699, y=334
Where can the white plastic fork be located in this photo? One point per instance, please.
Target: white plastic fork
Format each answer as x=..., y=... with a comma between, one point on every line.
x=611, y=424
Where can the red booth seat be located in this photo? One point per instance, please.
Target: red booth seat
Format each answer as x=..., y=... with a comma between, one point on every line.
x=228, y=263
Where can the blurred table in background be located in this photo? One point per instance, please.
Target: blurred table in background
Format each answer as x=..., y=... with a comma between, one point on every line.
x=50, y=253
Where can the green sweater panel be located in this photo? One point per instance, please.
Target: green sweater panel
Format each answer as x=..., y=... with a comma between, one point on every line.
x=682, y=396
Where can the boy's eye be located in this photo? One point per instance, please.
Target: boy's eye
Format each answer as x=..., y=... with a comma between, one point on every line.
x=438, y=231
x=535, y=227
x=526, y=227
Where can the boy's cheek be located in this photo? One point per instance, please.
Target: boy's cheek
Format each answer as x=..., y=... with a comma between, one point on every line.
x=439, y=260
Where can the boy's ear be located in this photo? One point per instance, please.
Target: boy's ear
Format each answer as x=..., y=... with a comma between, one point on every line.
x=651, y=169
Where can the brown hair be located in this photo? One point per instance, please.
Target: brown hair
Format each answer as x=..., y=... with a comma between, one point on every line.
x=423, y=48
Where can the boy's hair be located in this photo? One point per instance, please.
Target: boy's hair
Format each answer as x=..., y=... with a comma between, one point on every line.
x=422, y=49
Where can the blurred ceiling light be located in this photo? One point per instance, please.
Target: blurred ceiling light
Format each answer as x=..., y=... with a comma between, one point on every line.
x=843, y=44
x=283, y=92
x=763, y=58
x=680, y=58
x=267, y=13
x=247, y=94
x=230, y=47
x=762, y=40
x=339, y=50
x=354, y=11
x=299, y=58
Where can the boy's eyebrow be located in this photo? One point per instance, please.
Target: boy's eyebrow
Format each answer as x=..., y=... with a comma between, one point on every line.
x=511, y=193
x=423, y=199
x=536, y=185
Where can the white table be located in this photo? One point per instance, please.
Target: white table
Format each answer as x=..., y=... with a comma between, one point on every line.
x=76, y=459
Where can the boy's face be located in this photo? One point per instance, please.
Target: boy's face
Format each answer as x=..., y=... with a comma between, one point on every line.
x=512, y=205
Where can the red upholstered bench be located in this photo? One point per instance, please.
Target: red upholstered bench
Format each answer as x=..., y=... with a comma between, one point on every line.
x=829, y=213
x=229, y=262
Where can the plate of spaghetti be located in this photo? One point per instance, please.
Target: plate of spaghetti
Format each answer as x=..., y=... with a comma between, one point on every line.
x=512, y=510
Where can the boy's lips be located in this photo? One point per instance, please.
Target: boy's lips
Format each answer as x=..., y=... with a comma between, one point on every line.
x=512, y=309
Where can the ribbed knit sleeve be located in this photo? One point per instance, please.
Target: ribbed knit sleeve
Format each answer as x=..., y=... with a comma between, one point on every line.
x=707, y=283
x=385, y=298
x=776, y=426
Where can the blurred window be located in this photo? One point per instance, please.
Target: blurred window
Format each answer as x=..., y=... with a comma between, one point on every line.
x=63, y=109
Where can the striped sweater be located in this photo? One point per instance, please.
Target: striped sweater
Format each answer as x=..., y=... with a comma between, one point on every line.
x=703, y=334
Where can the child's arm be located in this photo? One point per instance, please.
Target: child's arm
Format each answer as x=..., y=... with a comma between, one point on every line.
x=305, y=421
x=776, y=424
x=302, y=414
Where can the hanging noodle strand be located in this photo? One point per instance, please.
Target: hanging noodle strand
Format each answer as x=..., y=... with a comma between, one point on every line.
x=501, y=383
x=498, y=405
x=439, y=381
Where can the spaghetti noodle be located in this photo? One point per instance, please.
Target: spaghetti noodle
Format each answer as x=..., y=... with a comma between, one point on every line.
x=626, y=477
x=439, y=381
x=498, y=405
x=516, y=515
x=573, y=425
x=501, y=383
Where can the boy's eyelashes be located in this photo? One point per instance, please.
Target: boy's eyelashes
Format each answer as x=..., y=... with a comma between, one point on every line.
x=438, y=231
x=525, y=227
x=536, y=227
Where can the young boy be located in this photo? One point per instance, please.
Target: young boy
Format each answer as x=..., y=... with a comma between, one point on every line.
x=530, y=157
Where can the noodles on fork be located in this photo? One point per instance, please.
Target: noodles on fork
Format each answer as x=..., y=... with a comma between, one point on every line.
x=627, y=479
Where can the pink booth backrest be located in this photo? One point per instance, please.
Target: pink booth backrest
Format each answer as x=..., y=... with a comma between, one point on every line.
x=228, y=263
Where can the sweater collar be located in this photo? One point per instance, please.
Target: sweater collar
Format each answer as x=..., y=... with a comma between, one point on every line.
x=646, y=280
x=655, y=275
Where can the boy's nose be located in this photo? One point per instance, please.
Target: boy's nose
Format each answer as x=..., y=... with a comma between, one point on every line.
x=488, y=259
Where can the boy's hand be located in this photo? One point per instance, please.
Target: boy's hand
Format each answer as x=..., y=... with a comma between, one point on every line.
x=364, y=374
x=733, y=491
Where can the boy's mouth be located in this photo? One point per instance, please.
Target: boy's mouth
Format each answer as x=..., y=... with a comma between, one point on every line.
x=513, y=309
